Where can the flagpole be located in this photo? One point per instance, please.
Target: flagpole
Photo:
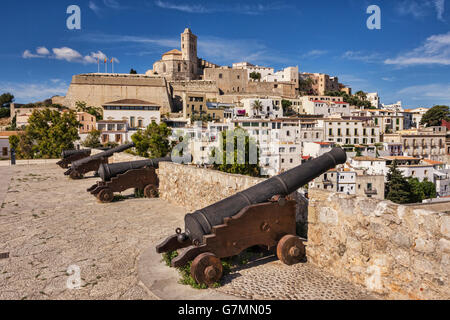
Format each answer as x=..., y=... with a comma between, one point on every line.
x=98, y=65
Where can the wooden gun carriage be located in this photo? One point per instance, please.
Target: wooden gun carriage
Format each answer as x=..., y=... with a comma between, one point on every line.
x=92, y=163
x=69, y=156
x=261, y=215
x=123, y=176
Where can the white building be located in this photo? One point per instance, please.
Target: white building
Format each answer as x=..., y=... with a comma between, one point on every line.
x=316, y=149
x=5, y=149
x=289, y=74
x=374, y=99
x=263, y=71
x=371, y=166
x=137, y=113
x=267, y=108
x=415, y=116
x=114, y=131
x=350, y=132
x=324, y=107
x=393, y=107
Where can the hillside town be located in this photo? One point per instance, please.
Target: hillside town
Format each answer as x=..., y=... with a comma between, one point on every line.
x=292, y=116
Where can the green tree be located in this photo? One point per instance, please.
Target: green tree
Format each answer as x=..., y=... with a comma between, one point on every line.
x=96, y=112
x=51, y=132
x=417, y=192
x=6, y=99
x=240, y=164
x=255, y=76
x=132, y=71
x=153, y=142
x=287, y=107
x=429, y=189
x=257, y=106
x=92, y=140
x=398, y=189
x=435, y=115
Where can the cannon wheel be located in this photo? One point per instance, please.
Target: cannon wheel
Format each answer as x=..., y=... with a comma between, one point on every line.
x=75, y=175
x=150, y=191
x=291, y=250
x=206, y=269
x=105, y=196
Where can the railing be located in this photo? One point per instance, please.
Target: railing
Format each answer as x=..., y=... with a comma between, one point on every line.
x=371, y=192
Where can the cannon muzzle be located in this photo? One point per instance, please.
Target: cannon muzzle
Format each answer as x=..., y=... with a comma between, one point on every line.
x=87, y=162
x=108, y=171
x=68, y=153
x=201, y=222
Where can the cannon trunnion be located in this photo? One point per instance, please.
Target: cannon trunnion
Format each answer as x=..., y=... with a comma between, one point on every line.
x=92, y=163
x=69, y=156
x=123, y=176
x=261, y=215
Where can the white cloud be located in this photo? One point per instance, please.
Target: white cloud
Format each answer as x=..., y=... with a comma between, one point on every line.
x=93, y=6
x=43, y=51
x=438, y=93
x=313, y=54
x=33, y=92
x=182, y=7
x=440, y=8
x=113, y=4
x=390, y=79
x=421, y=8
x=362, y=56
x=68, y=54
x=249, y=9
x=435, y=50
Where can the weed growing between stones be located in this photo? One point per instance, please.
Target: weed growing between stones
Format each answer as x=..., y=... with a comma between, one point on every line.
x=118, y=198
x=227, y=264
x=139, y=193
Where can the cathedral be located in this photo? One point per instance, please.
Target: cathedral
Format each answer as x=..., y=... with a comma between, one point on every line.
x=184, y=64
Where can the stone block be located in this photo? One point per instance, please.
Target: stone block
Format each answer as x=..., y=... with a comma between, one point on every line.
x=445, y=226
x=402, y=239
x=444, y=245
x=424, y=245
x=328, y=216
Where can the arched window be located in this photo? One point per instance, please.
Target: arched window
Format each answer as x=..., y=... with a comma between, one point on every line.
x=164, y=68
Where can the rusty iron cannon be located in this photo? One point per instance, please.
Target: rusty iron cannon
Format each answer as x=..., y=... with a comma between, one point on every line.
x=262, y=215
x=69, y=156
x=92, y=163
x=119, y=177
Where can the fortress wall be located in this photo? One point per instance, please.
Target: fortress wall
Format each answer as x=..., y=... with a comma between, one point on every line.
x=96, y=90
x=401, y=252
x=195, y=188
x=285, y=89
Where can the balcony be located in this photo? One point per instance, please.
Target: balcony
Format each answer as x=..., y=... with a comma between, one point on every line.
x=327, y=182
x=371, y=192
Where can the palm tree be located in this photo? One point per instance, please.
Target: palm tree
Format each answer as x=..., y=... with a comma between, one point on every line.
x=257, y=106
x=361, y=95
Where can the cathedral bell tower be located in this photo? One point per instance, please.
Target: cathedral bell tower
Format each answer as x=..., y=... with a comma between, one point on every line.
x=189, y=51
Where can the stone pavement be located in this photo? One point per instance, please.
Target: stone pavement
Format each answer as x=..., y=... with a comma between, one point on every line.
x=49, y=223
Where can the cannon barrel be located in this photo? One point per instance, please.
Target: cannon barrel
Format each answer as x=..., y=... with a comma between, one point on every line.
x=201, y=222
x=108, y=171
x=68, y=153
x=105, y=154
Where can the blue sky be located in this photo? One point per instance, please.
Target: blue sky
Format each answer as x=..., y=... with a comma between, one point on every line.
x=408, y=59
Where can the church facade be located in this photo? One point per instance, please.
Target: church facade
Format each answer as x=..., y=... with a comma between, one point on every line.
x=181, y=65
